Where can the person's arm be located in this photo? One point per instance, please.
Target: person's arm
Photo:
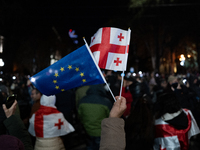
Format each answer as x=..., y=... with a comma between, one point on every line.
x=15, y=126
x=112, y=128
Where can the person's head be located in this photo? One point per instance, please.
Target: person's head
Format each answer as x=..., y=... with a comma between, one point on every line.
x=167, y=103
x=35, y=95
x=4, y=91
x=152, y=74
x=127, y=81
x=172, y=79
x=163, y=83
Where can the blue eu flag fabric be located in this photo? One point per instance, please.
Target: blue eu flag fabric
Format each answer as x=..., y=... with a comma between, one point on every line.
x=75, y=69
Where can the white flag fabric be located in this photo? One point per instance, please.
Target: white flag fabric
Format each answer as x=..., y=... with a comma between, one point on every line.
x=48, y=122
x=110, y=48
x=169, y=138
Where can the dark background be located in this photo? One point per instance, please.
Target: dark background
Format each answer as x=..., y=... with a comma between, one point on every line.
x=33, y=30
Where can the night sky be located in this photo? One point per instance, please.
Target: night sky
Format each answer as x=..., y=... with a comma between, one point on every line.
x=24, y=17
x=27, y=25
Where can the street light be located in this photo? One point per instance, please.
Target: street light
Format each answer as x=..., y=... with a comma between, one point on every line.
x=1, y=62
x=1, y=44
x=182, y=57
x=182, y=60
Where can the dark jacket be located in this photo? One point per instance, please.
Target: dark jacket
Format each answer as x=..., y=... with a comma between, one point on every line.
x=16, y=128
x=93, y=108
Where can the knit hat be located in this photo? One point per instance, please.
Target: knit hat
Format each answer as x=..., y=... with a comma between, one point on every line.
x=10, y=142
x=48, y=100
x=171, y=78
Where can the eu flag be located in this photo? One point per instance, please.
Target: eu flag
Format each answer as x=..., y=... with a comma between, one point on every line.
x=75, y=69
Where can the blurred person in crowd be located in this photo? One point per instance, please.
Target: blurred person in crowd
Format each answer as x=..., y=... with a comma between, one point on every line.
x=126, y=94
x=172, y=83
x=19, y=87
x=93, y=108
x=30, y=88
x=3, y=96
x=139, y=126
x=4, y=91
x=152, y=81
x=174, y=126
x=194, y=94
x=163, y=84
x=113, y=82
x=18, y=136
x=65, y=103
x=36, y=96
x=80, y=93
x=24, y=93
x=181, y=91
x=158, y=89
x=48, y=124
x=138, y=88
x=29, y=111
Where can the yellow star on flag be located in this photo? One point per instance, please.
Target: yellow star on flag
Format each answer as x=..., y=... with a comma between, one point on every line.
x=57, y=87
x=69, y=66
x=77, y=69
x=62, y=90
x=54, y=81
x=84, y=80
x=62, y=69
x=56, y=75
x=82, y=74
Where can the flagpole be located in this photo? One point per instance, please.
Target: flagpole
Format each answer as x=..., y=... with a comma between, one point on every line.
x=98, y=68
x=122, y=80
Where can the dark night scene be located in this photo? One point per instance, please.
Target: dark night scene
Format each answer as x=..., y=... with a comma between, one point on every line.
x=100, y=75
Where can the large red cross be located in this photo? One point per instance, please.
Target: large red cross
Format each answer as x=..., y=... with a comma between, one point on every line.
x=38, y=125
x=59, y=124
x=106, y=47
x=117, y=61
x=120, y=37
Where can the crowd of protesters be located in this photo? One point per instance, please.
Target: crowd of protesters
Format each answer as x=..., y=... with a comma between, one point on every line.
x=150, y=100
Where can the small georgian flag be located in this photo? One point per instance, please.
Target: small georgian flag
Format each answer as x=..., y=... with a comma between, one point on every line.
x=110, y=48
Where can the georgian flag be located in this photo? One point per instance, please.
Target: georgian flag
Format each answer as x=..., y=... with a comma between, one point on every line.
x=110, y=48
x=48, y=122
x=169, y=138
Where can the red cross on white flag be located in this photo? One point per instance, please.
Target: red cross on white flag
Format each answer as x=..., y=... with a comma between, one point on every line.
x=48, y=122
x=59, y=124
x=110, y=48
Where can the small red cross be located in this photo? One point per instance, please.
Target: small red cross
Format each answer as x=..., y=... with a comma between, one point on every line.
x=93, y=38
x=59, y=124
x=120, y=37
x=117, y=61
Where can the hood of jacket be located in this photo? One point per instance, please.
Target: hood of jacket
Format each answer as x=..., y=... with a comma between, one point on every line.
x=97, y=90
